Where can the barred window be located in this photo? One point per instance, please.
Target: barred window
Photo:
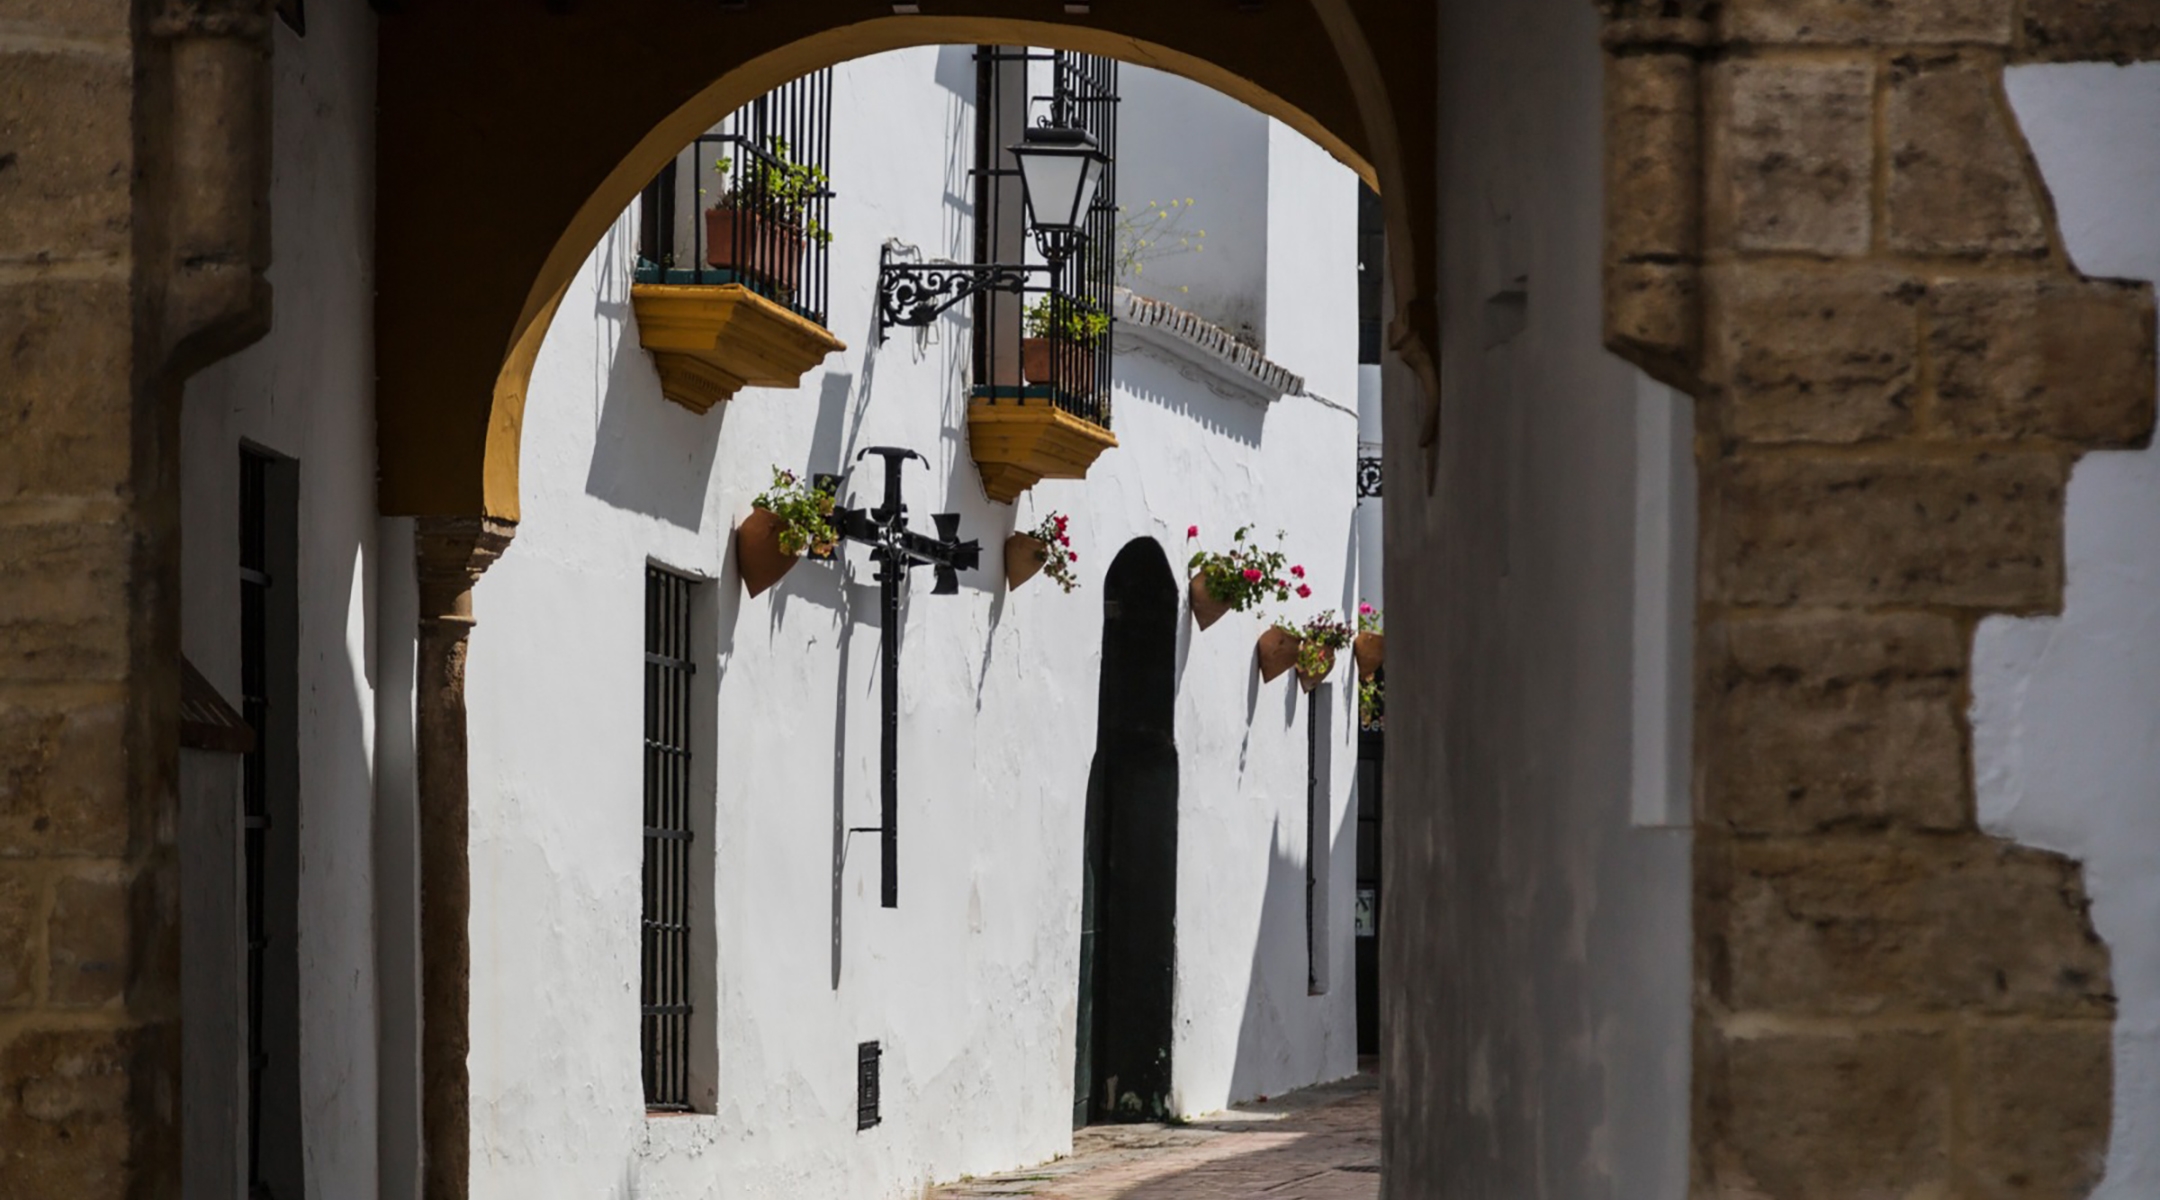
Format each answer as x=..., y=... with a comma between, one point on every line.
x=665, y=975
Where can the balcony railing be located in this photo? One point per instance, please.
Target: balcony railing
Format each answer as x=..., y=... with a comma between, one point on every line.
x=1063, y=315
x=750, y=202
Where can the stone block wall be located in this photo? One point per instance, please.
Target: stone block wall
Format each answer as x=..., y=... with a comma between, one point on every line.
x=131, y=152
x=1860, y=278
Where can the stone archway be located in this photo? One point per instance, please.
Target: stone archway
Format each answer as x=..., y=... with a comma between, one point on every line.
x=463, y=304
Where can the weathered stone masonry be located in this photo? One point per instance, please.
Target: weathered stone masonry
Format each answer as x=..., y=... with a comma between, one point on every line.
x=1823, y=222
x=133, y=233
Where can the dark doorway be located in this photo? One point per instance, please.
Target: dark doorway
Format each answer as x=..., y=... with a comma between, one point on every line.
x=270, y=817
x=1128, y=906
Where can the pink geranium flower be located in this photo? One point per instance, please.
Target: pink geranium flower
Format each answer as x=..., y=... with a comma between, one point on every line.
x=1298, y=571
x=1192, y=531
x=1252, y=575
x=1304, y=591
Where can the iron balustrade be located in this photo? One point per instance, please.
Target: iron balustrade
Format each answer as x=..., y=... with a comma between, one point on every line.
x=1077, y=276
x=750, y=202
x=664, y=975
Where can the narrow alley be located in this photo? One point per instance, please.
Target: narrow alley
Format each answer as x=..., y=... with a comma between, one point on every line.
x=1320, y=1143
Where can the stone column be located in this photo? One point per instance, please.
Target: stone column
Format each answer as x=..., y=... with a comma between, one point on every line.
x=134, y=140
x=451, y=553
x=1825, y=225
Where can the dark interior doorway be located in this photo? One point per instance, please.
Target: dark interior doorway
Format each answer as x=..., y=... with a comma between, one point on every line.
x=1128, y=900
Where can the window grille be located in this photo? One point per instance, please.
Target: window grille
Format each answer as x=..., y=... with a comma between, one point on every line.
x=1082, y=93
x=664, y=1034
x=868, y=1060
x=740, y=205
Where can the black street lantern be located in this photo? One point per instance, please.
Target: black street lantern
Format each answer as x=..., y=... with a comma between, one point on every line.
x=1060, y=169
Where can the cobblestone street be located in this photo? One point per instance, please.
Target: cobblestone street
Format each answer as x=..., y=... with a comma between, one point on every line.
x=1322, y=1143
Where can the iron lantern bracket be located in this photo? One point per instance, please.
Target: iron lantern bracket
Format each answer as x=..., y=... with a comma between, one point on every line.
x=913, y=295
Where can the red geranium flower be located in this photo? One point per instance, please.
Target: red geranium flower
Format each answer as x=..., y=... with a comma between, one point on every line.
x=1192, y=531
x=1303, y=591
x=1252, y=575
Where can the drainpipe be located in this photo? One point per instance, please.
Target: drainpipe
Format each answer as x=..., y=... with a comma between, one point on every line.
x=450, y=555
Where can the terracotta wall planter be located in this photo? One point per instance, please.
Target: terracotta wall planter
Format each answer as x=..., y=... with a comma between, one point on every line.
x=750, y=243
x=1024, y=555
x=1035, y=364
x=1368, y=649
x=1310, y=681
x=1206, y=609
x=1277, y=653
x=758, y=556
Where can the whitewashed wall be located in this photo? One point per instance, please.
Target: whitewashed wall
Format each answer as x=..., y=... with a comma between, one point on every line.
x=307, y=391
x=970, y=984
x=2066, y=709
x=1535, y=941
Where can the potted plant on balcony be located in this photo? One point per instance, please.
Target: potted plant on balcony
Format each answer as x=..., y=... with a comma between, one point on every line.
x=1046, y=548
x=1237, y=579
x=1062, y=329
x=1371, y=643
x=762, y=221
x=1278, y=650
x=1323, y=636
x=786, y=521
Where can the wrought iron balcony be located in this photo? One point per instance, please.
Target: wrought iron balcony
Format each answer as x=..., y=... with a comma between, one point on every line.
x=733, y=276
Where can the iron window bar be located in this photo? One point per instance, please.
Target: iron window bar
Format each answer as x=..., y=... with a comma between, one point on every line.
x=664, y=933
x=736, y=230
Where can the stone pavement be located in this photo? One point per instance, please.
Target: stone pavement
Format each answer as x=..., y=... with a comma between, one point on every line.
x=1321, y=1143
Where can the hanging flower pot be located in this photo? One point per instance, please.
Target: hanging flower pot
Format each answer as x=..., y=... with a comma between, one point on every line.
x=1024, y=555
x=1314, y=664
x=1369, y=648
x=1278, y=652
x=1206, y=609
x=1238, y=578
x=758, y=555
x=786, y=521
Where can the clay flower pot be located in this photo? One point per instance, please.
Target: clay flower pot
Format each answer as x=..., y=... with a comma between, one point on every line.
x=752, y=244
x=1369, y=648
x=1310, y=681
x=1079, y=363
x=1277, y=653
x=758, y=555
x=1206, y=609
x=1024, y=555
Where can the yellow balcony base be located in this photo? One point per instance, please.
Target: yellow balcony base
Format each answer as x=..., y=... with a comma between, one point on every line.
x=1019, y=444
x=711, y=342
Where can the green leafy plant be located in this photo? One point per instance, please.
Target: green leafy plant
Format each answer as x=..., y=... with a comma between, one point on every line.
x=1368, y=618
x=1076, y=320
x=1372, y=702
x=1057, y=553
x=1317, y=640
x=1244, y=574
x=777, y=187
x=805, y=514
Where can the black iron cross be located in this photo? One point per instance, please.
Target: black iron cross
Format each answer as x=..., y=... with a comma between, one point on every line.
x=897, y=550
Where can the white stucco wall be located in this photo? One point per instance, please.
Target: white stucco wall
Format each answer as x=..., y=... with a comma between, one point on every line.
x=970, y=984
x=306, y=391
x=1535, y=942
x=1197, y=144
x=2066, y=709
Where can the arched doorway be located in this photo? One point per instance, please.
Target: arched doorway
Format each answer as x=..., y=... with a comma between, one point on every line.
x=1128, y=909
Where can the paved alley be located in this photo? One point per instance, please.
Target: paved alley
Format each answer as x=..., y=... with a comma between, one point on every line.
x=1321, y=1143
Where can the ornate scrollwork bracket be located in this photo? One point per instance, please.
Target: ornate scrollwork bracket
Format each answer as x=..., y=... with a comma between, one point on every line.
x=914, y=294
